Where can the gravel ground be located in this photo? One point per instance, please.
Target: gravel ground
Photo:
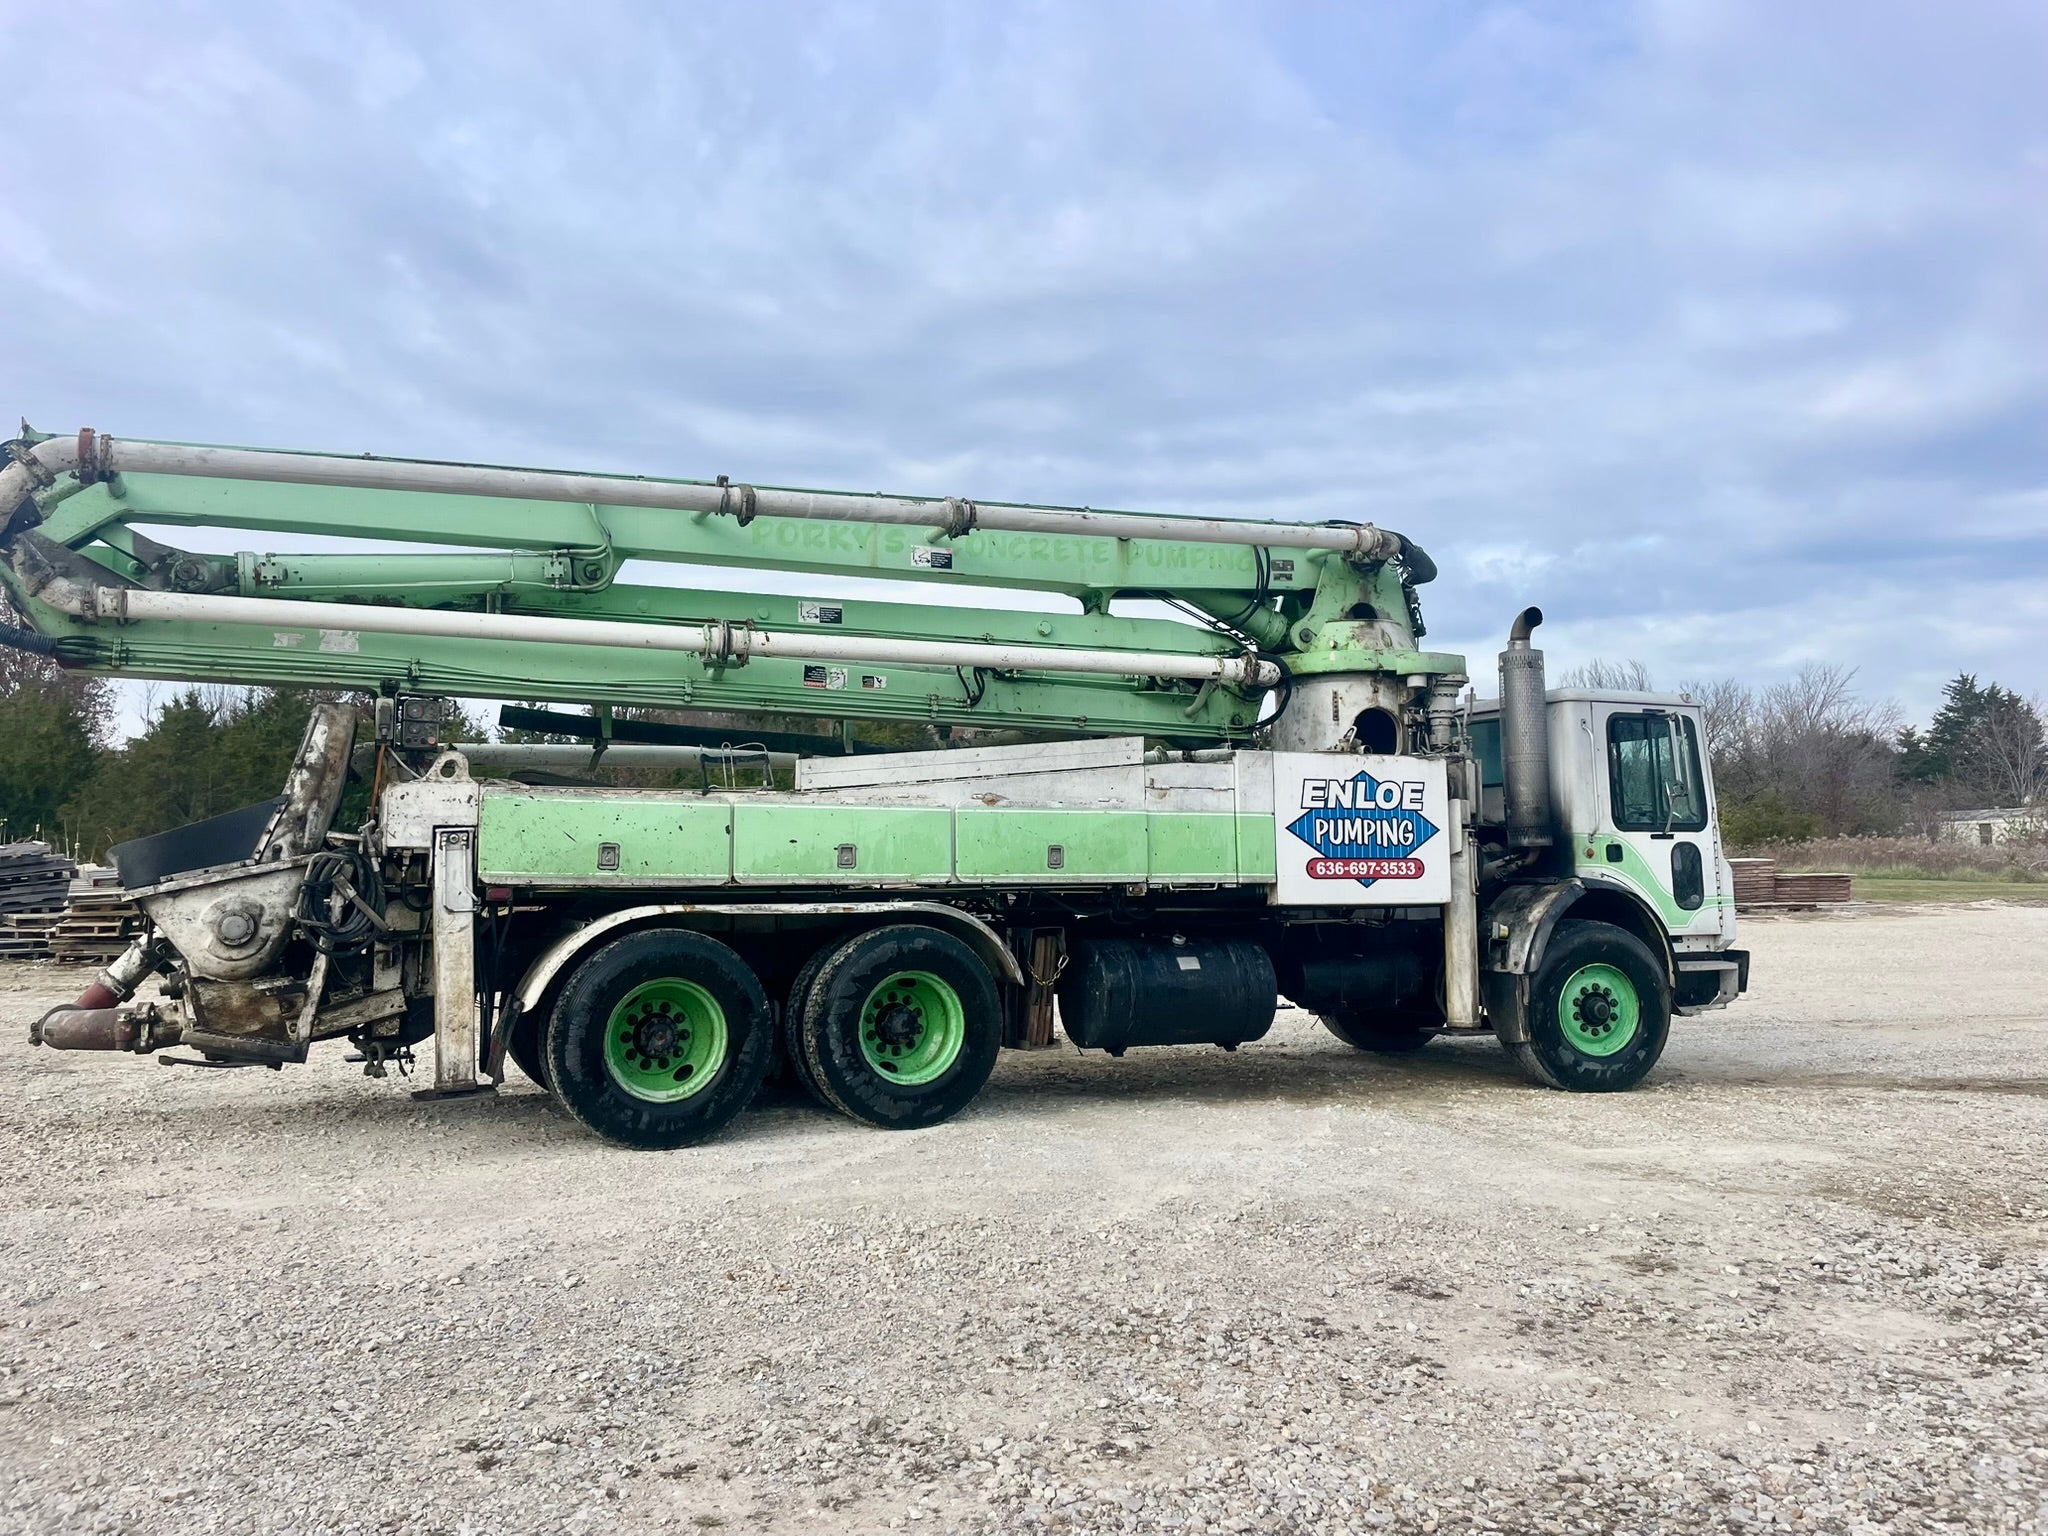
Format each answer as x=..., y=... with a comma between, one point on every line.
x=1796, y=1282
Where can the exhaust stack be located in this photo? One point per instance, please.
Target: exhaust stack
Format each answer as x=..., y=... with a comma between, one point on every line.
x=1525, y=736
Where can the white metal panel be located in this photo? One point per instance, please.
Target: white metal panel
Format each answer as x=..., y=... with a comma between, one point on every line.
x=888, y=768
x=411, y=812
x=1578, y=767
x=1254, y=783
x=1132, y=785
x=1205, y=788
x=1100, y=789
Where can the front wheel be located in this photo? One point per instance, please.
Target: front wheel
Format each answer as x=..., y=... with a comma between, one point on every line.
x=1599, y=1011
x=659, y=1039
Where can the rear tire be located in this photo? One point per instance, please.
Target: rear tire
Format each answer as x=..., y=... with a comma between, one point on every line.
x=792, y=1022
x=1599, y=1011
x=1384, y=1034
x=659, y=1039
x=901, y=1027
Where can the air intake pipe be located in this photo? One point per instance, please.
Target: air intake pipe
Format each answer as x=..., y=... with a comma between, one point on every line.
x=1525, y=737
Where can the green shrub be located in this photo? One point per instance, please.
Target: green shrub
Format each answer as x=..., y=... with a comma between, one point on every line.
x=1766, y=818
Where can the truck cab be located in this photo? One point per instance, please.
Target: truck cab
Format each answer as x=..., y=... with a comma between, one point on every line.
x=1633, y=796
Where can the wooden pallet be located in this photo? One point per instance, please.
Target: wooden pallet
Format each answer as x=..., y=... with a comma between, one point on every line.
x=1754, y=880
x=95, y=922
x=33, y=883
x=1759, y=887
x=51, y=909
x=1827, y=890
x=26, y=936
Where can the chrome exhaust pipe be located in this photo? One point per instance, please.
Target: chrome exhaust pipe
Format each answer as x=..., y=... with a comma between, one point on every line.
x=1525, y=737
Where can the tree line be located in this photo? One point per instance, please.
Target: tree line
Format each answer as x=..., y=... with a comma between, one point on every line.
x=202, y=751
x=1810, y=757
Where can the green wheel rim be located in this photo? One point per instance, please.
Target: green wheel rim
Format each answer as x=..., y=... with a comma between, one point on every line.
x=1598, y=1010
x=665, y=1040
x=912, y=1028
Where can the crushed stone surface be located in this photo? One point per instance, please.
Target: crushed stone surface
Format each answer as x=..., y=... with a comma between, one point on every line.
x=1797, y=1282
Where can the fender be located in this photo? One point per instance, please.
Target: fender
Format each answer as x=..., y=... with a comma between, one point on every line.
x=978, y=935
x=1516, y=929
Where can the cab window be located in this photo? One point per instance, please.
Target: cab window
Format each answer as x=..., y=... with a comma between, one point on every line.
x=1486, y=748
x=1653, y=773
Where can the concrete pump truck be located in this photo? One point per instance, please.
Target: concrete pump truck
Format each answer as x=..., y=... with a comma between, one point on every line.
x=1279, y=796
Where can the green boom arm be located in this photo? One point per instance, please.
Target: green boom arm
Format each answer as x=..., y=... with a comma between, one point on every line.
x=510, y=547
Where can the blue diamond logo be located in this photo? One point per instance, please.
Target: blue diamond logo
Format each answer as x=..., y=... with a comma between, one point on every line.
x=1366, y=833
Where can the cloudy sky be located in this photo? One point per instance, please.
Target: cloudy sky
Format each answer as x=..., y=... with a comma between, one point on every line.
x=1720, y=331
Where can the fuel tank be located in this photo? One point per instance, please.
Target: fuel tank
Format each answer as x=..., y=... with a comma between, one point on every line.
x=1117, y=993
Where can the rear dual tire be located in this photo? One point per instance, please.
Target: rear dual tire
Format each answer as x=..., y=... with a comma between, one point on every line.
x=791, y=1042
x=899, y=1027
x=659, y=1039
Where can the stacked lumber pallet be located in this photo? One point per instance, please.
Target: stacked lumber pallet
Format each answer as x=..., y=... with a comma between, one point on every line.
x=1755, y=881
x=1812, y=890
x=33, y=885
x=26, y=935
x=1759, y=887
x=98, y=919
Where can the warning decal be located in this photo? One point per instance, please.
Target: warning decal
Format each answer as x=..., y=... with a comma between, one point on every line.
x=1361, y=831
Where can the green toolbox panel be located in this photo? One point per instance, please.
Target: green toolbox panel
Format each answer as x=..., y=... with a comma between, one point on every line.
x=631, y=839
x=1255, y=856
x=574, y=839
x=1040, y=847
x=1191, y=845
x=851, y=844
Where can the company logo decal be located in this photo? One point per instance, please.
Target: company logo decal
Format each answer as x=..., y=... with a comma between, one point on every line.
x=1363, y=828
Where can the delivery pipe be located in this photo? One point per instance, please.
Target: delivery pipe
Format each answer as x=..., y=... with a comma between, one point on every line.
x=951, y=515
x=719, y=643
x=35, y=469
x=94, y=1029
x=129, y=970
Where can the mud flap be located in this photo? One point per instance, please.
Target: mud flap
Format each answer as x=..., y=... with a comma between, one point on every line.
x=1507, y=1005
x=1515, y=928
